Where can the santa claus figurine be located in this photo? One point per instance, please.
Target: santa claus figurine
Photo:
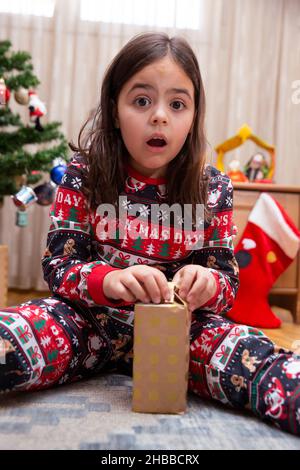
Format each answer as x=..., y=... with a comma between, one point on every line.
x=36, y=108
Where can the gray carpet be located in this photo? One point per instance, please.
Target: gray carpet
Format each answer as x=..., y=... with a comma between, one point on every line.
x=96, y=414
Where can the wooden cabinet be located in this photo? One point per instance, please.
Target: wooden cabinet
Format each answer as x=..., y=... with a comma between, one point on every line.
x=286, y=290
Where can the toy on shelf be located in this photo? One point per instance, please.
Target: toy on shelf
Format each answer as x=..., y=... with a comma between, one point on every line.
x=257, y=169
x=235, y=173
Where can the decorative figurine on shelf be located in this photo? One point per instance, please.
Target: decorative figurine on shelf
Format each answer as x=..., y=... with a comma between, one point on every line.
x=256, y=168
x=243, y=134
x=235, y=173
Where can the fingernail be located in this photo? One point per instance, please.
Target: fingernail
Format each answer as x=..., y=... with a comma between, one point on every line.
x=168, y=296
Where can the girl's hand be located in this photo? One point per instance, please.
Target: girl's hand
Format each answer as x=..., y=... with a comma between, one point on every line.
x=196, y=285
x=143, y=283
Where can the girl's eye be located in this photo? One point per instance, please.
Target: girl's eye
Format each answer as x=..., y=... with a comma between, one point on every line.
x=141, y=101
x=179, y=103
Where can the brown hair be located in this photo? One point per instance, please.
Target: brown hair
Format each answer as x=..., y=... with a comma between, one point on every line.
x=102, y=147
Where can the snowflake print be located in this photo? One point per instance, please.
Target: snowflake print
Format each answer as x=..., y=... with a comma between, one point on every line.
x=206, y=348
x=178, y=253
x=62, y=290
x=180, y=220
x=74, y=362
x=50, y=308
x=200, y=222
x=225, y=326
x=59, y=272
x=25, y=304
x=63, y=379
x=64, y=179
x=144, y=210
x=75, y=341
x=45, y=341
x=228, y=201
x=76, y=182
x=162, y=215
x=126, y=204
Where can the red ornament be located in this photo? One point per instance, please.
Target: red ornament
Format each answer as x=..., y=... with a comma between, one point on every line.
x=4, y=93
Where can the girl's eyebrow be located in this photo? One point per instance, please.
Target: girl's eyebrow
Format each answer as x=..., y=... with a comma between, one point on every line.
x=146, y=86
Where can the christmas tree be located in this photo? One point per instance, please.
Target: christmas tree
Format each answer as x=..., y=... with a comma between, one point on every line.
x=19, y=167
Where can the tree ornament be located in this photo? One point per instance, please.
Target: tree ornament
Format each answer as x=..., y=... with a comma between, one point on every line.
x=57, y=173
x=45, y=193
x=4, y=93
x=24, y=198
x=21, y=96
x=21, y=218
x=36, y=108
x=59, y=161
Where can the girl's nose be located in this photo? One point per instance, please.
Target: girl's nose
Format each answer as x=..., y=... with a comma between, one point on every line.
x=159, y=116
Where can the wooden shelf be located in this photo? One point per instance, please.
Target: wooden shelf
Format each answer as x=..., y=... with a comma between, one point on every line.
x=284, y=290
x=266, y=187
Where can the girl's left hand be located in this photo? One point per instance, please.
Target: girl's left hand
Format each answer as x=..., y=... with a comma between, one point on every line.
x=196, y=285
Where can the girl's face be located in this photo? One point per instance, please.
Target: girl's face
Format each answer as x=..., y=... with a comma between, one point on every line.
x=159, y=99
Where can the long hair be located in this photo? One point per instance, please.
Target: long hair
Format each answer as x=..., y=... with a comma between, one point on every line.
x=102, y=145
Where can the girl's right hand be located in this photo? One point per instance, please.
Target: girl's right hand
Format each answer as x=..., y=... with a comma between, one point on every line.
x=139, y=282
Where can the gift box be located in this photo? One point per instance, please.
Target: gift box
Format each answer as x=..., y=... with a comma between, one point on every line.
x=161, y=356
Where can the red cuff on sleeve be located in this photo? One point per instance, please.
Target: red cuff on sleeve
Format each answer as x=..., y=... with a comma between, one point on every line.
x=95, y=287
x=213, y=299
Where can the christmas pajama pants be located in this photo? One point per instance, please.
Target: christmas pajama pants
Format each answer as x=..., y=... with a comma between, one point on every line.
x=50, y=342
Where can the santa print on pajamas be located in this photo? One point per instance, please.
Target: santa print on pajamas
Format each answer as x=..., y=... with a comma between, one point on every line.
x=78, y=331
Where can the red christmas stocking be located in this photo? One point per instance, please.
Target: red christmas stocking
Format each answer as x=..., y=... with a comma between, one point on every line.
x=267, y=247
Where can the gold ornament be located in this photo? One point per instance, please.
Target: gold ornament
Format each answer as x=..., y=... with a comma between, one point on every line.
x=21, y=96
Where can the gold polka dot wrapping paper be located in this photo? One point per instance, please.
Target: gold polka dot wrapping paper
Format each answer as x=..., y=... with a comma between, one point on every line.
x=161, y=356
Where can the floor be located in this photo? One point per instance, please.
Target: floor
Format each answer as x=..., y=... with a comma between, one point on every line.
x=286, y=336
x=96, y=414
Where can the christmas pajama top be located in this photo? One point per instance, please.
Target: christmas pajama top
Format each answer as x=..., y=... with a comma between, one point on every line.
x=80, y=253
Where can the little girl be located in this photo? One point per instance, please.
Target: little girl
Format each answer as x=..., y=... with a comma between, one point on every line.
x=145, y=146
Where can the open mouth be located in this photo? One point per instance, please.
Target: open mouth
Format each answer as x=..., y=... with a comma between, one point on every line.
x=157, y=142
